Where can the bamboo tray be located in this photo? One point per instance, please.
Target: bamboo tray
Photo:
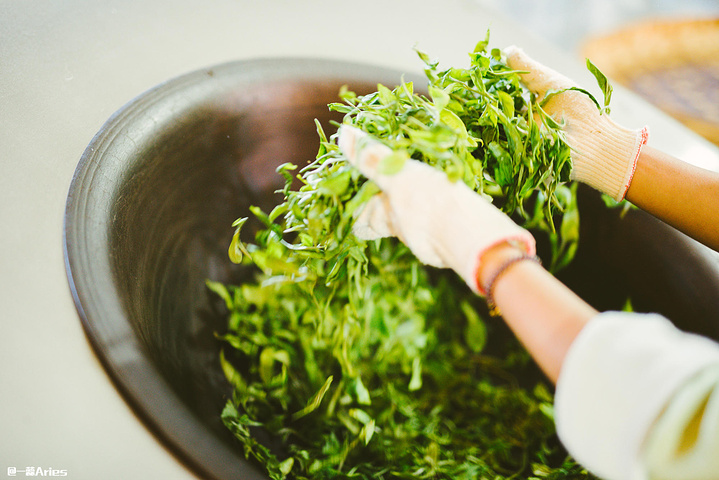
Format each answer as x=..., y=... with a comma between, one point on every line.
x=674, y=64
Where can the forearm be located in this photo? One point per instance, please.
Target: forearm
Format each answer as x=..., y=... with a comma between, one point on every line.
x=678, y=193
x=541, y=311
x=616, y=379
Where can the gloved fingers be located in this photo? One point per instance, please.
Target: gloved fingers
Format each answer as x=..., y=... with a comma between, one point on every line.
x=374, y=220
x=363, y=152
x=445, y=224
x=347, y=141
x=539, y=78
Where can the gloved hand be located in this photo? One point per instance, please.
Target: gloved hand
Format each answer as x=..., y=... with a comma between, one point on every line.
x=445, y=224
x=604, y=154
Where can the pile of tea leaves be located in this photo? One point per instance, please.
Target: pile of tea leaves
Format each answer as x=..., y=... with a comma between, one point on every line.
x=349, y=358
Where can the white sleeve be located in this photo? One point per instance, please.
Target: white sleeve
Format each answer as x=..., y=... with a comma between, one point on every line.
x=617, y=378
x=684, y=442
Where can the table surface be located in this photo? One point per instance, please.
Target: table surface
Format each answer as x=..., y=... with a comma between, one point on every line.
x=65, y=67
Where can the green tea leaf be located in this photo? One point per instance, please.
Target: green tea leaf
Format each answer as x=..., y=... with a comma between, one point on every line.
x=386, y=96
x=552, y=93
x=415, y=382
x=506, y=102
x=439, y=97
x=314, y=403
x=335, y=184
x=503, y=169
x=361, y=392
x=603, y=83
x=481, y=46
x=475, y=333
x=285, y=467
x=367, y=432
x=237, y=249
x=221, y=291
x=232, y=374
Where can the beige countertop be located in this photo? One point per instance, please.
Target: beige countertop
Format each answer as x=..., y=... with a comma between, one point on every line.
x=65, y=67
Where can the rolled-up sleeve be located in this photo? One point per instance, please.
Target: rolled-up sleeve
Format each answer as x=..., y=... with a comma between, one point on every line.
x=619, y=395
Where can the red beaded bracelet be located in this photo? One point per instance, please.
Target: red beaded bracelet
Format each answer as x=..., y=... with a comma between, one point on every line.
x=493, y=309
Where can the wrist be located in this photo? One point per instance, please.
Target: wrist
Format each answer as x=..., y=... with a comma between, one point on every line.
x=493, y=260
x=500, y=259
x=604, y=155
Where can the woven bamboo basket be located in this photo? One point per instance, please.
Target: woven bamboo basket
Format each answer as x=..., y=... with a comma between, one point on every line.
x=674, y=64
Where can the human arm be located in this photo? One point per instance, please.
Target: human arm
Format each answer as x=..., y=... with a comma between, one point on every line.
x=447, y=225
x=543, y=313
x=615, y=373
x=648, y=393
x=636, y=398
x=618, y=162
x=678, y=193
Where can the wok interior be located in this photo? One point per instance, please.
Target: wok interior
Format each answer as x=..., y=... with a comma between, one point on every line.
x=173, y=224
x=172, y=221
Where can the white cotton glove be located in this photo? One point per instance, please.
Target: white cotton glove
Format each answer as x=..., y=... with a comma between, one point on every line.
x=604, y=154
x=616, y=382
x=445, y=224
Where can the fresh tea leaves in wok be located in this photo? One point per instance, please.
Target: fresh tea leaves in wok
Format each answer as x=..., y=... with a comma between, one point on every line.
x=350, y=359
